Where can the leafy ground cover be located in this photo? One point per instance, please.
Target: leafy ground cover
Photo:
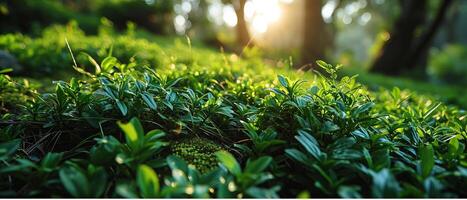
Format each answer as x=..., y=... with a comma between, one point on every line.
x=448, y=94
x=187, y=122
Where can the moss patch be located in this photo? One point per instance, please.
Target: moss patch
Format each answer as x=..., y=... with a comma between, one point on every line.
x=198, y=152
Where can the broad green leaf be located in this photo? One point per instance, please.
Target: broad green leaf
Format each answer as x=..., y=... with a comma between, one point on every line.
x=134, y=133
x=97, y=176
x=122, y=107
x=229, y=162
x=349, y=192
x=108, y=63
x=314, y=89
x=361, y=133
x=8, y=148
x=61, y=96
x=74, y=181
x=427, y=159
x=51, y=161
x=310, y=144
x=363, y=108
x=6, y=70
x=453, y=147
x=149, y=100
x=283, y=81
x=384, y=184
x=297, y=156
x=179, y=168
x=433, y=187
x=126, y=191
x=329, y=126
x=258, y=165
x=368, y=158
x=148, y=182
x=381, y=158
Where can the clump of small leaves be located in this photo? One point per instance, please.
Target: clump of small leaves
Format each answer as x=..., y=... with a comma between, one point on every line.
x=198, y=152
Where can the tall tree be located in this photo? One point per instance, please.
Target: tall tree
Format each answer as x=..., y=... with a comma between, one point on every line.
x=243, y=36
x=407, y=48
x=420, y=49
x=315, y=39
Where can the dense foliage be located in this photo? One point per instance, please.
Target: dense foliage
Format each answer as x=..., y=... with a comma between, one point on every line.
x=31, y=16
x=449, y=65
x=182, y=122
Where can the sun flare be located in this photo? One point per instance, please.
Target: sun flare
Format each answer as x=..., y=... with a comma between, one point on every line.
x=262, y=13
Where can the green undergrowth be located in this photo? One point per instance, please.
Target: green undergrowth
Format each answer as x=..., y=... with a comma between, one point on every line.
x=450, y=94
x=49, y=55
x=189, y=123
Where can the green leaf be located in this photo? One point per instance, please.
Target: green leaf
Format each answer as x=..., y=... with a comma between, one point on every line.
x=361, y=133
x=257, y=192
x=122, y=107
x=283, y=81
x=179, y=168
x=454, y=148
x=427, y=159
x=314, y=89
x=310, y=144
x=6, y=70
x=148, y=182
x=381, y=158
x=297, y=156
x=108, y=63
x=126, y=191
x=149, y=100
x=349, y=192
x=134, y=133
x=327, y=67
x=61, y=96
x=363, y=108
x=74, y=181
x=229, y=162
x=258, y=165
x=97, y=176
x=8, y=148
x=94, y=63
x=368, y=158
x=51, y=161
x=328, y=126
x=384, y=184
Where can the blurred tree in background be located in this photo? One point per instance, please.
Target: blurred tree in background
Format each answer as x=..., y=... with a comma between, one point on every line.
x=409, y=37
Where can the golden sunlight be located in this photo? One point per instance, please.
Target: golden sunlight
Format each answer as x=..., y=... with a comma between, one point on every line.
x=262, y=13
x=259, y=14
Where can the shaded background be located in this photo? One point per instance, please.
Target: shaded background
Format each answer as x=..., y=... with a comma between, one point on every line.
x=420, y=42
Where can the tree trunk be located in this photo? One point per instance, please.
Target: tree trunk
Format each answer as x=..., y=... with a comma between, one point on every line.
x=395, y=53
x=421, y=49
x=243, y=36
x=315, y=38
x=451, y=23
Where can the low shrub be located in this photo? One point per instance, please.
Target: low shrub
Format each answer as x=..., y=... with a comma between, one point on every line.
x=49, y=54
x=30, y=16
x=327, y=138
x=449, y=65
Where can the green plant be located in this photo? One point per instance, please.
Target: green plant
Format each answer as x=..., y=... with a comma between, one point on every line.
x=448, y=65
x=323, y=136
x=197, y=152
